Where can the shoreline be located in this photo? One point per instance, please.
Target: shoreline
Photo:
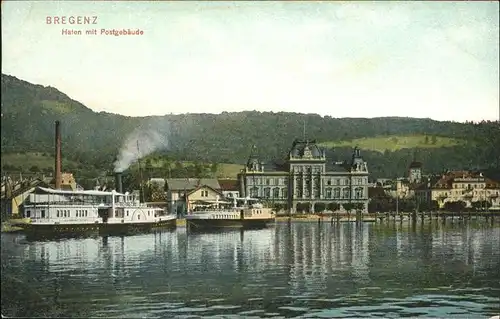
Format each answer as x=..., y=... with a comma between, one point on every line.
x=10, y=226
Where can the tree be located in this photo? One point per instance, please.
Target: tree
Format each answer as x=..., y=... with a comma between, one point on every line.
x=198, y=170
x=214, y=168
x=481, y=205
x=358, y=206
x=34, y=169
x=372, y=206
x=426, y=141
x=423, y=206
x=407, y=205
x=279, y=206
x=319, y=207
x=154, y=193
x=333, y=206
x=303, y=207
x=433, y=139
x=348, y=207
x=456, y=207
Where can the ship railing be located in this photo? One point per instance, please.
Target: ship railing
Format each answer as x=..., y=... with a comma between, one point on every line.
x=56, y=221
x=94, y=204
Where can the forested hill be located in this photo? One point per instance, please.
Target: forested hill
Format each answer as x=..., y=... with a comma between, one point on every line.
x=29, y=112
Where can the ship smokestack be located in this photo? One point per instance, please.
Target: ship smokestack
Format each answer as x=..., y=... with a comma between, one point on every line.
x=118, y=182
x=57, y=168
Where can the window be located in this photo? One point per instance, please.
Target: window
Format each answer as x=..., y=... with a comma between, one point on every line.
x=358, y=193
x=254, y=192
x=268, y=181
x=284, y=192
x=267, y=192
x=336, y=192
x=328, y=193
x=28, y=214
x=43, y=213
x=345, y=193
x=276, y=192
x=316, y=193
x=57, y=213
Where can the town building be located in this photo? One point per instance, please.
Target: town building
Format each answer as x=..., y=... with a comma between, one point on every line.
x=306, y=176
x=467, y=186
x=183, y=194
x=415, y=172
x=229, y=188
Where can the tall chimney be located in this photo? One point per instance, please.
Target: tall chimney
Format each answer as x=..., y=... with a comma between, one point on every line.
x=57, y=168
x=118, y=182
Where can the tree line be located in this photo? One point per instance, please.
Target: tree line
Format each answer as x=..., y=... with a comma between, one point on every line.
x=94, y=139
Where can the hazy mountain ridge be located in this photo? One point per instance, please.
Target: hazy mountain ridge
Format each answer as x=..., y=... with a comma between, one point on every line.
x=29, y=112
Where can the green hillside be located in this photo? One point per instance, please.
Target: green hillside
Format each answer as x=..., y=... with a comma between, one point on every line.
x=94, y=139
x=397, y=142
x=35, y=162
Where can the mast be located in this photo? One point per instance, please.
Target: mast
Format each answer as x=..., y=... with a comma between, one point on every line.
x=141, y=199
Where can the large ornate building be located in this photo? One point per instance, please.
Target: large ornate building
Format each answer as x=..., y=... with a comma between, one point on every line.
x=307, y=177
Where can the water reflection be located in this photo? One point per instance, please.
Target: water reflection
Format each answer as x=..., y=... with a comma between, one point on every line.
x=325, y=270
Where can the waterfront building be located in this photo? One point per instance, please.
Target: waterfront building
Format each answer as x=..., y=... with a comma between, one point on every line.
x=182, y=193
x=466, y=186
x=229, y=188
x=307, y=177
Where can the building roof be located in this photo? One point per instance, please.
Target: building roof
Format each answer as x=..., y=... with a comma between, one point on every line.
x=229, y=184
x=341, y=167
x=176, y=184
x=306, y=149
x=204, y=186
x=446, y=181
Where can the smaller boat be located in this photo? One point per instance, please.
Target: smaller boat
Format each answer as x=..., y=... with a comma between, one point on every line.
x=61, y=212
x=240, y=213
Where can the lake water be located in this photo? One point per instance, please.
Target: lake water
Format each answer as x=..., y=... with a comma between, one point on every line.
x=301, y=270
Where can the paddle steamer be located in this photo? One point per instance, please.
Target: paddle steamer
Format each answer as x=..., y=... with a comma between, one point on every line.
x=90, y=211
x=240, y=213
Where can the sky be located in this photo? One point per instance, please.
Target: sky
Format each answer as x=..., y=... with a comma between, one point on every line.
x=343, y=59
